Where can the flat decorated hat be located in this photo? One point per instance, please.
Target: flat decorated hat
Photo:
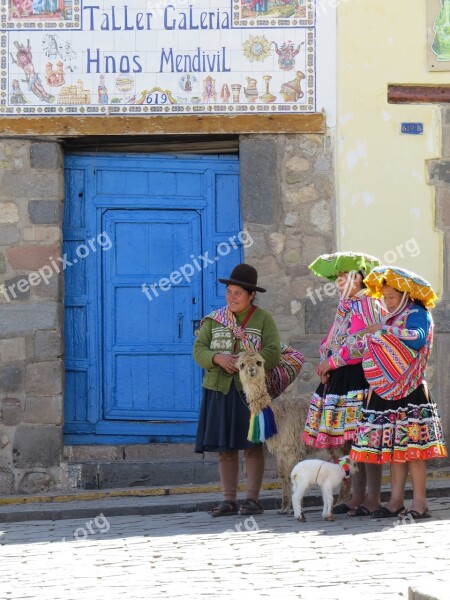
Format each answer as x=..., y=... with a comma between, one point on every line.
x=330, y=265
x=401, y=280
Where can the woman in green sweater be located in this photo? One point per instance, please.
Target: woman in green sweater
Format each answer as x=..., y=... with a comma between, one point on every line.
x=224, y=413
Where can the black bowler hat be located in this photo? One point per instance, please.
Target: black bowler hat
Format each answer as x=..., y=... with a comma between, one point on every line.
x=245, y=276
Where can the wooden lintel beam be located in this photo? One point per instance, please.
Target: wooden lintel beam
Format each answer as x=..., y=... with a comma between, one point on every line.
x=162, y=125
x=418, y=94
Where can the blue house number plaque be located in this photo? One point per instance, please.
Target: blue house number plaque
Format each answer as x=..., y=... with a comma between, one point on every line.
x=412, y=128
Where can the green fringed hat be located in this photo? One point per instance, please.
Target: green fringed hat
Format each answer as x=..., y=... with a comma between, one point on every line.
x=330, y=265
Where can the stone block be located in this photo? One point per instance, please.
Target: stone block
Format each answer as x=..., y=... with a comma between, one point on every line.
x=138, y=452
x=443, y=207
x=321, y=217
x=36, y=482
x=298, y=195
x=319, y=316
x=297, y=270
x=45, y=212
x=155, y=473
x=45, y=155
x=18, y=319
x=314, y=245
x=50, y=288
x=12, y=350
x=6, y=481
x=9, y=213
x=47, y=345
x=37, y=446
x=9, y=235
x=295, y=169
x=438, y=171
x=33, y=184
x=11, y=378
x=44, y=378
x=277, y=242
x=41, y=233
x=441, y=318
x=11, y=409
x=18, y=288
x=43, y=410
x=31, y=258
x=260, y=187
x=76, y=454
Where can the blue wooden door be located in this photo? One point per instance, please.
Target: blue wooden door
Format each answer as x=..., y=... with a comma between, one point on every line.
x=148, y=319
x=172, y=224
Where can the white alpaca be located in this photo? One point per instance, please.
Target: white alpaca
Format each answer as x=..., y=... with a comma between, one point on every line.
x=324, y=474
x=290, y=415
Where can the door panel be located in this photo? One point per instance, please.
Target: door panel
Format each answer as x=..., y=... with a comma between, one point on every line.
x=148, y=336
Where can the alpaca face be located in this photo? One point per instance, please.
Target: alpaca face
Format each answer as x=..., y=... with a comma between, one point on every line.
x=250, y=365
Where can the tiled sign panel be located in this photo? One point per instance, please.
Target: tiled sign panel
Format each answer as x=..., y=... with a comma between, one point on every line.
x=93, y=57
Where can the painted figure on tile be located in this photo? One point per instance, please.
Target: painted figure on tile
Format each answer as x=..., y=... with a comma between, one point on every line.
x=21, y=8
x=225, y=93
x=102, y=91
x=441, y=42
x=24, y=61
x=188, y=84
x=16, y=96
x=209, y=89
x=260, y=6
x=287, y=53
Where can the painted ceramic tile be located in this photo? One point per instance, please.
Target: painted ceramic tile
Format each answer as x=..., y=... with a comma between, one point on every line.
x=438, y=35
x=152, y=57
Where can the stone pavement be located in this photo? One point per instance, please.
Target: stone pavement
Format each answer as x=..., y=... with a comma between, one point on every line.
x=192, y=555
x=161, y=543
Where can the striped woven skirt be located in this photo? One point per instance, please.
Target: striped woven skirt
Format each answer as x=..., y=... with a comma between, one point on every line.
x=399, y=430
x=335, y=407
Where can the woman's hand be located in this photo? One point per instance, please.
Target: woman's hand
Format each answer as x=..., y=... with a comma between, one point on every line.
x=227, y=362
x=323, y=371
x=373, y=328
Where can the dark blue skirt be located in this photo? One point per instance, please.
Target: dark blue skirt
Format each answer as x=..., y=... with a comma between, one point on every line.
x=223, y=422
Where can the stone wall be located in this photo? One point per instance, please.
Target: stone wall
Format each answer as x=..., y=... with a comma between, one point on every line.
x=288, y=206
x=439, y=176
x=31, y=366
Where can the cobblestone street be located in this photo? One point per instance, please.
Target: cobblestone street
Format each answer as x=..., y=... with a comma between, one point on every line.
x=192, y=555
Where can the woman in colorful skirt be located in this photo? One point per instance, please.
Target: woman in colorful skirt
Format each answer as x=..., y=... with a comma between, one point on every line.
x=399, y=423
x=335, y=405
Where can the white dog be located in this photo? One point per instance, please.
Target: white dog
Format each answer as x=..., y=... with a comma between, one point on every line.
x=324, y=474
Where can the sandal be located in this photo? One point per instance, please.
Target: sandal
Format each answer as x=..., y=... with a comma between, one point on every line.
x=251, y=507
x=361, y=511
x=341, y=509
x=225, y=508
x=384, y=513
x=415, y=515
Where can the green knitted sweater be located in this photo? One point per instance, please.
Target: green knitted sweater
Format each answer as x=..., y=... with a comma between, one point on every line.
x=214, y=338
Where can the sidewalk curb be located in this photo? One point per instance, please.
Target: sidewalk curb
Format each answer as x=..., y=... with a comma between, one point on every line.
x=150, y=504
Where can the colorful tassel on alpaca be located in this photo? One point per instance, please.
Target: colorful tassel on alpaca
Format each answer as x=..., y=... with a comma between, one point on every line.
x=262, y=426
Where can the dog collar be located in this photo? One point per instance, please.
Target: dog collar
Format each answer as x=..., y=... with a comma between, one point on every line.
x=344, y=466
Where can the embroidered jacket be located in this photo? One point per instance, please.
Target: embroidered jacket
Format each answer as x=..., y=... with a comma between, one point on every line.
x=396, y=356
x=344, y=344
x=215, y=338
